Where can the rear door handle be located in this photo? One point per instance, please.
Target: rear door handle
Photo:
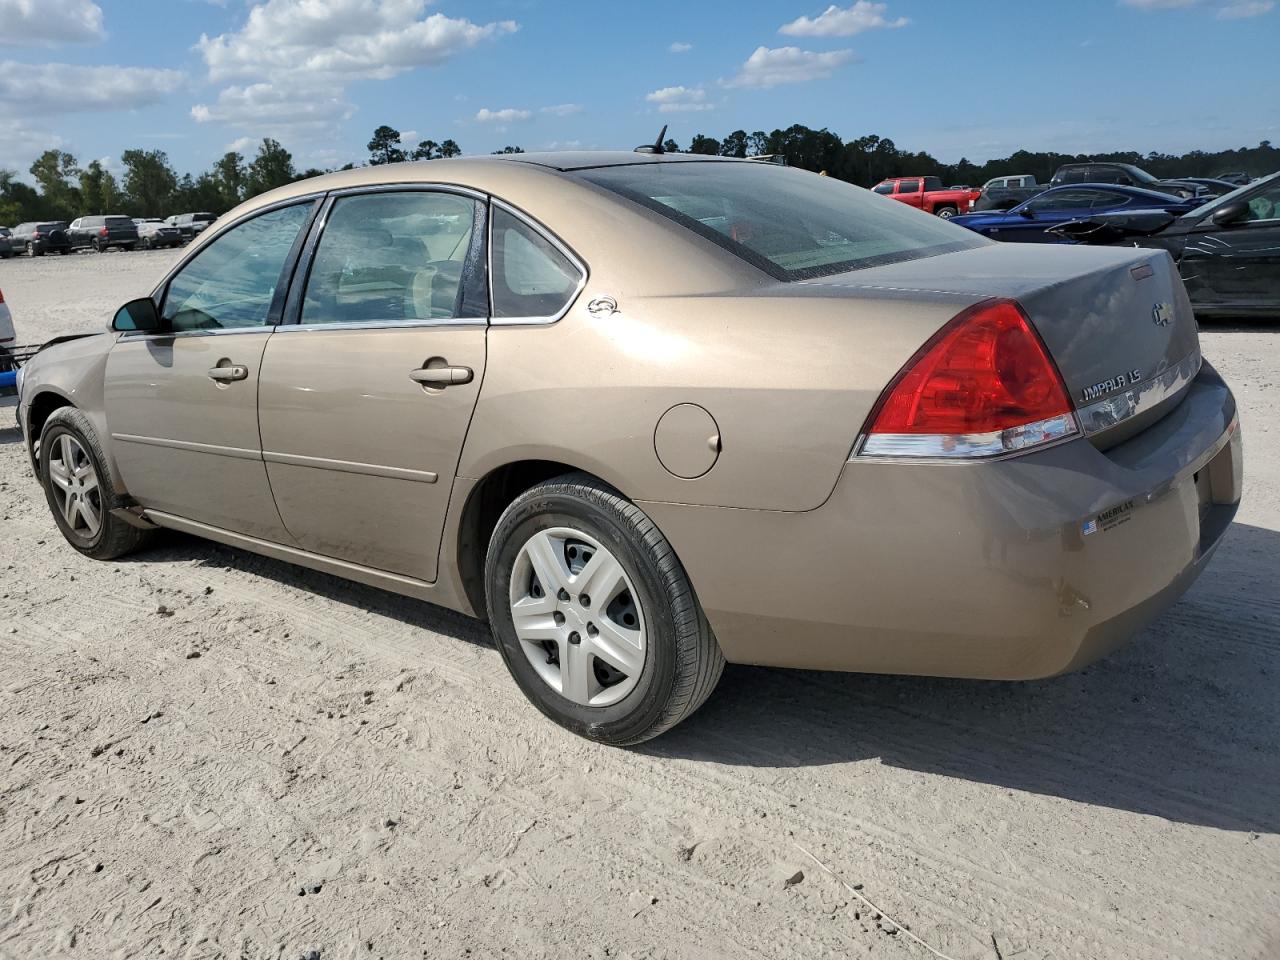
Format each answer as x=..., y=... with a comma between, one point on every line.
x=227, y=374
x=441, y=376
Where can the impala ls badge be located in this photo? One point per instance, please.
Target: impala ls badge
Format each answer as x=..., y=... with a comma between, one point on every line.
x=1162, y=314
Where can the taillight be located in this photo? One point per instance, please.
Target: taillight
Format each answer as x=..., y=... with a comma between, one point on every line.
x=102, y=232
x=984, y=385
x=1, y=296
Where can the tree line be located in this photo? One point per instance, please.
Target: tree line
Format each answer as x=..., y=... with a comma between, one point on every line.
x=150, y=187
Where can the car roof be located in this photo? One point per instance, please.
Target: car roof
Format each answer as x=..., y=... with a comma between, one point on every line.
x=588, y=159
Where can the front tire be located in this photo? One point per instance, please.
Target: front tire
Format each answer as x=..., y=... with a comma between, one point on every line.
x=79, y=489
x=594, y=615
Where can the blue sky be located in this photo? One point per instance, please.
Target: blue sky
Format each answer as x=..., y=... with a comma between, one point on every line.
x=956, y=78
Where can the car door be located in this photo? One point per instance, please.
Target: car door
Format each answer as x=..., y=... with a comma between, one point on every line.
x=909, y=192
x=365, y=400
x=182, y=404
x=1237, y=265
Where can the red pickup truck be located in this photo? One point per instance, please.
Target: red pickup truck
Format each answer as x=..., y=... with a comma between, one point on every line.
x=927, y=194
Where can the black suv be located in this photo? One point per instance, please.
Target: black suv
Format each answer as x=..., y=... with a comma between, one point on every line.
x=36, y=238
x=191, y=225
x=101, y=233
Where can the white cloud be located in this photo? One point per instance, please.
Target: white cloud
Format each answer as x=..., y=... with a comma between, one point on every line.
x=843, y=22
x=679, y=46
x=1243, y=9
x=1226, y=9
x=276, y=107
x=240, y=145
x=46, y=23
x=774, y=67
x=680, y=99
x=20, y=145
x=506, y=115
x=341, y=38
x=562, y=109
x=39, y=89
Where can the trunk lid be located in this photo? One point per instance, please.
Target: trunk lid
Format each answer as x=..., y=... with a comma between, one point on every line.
x=1117, y=320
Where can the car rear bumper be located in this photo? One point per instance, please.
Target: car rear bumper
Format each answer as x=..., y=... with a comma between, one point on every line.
x=1011, y=569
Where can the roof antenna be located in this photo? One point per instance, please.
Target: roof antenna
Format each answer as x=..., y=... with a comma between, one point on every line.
x=656, y=146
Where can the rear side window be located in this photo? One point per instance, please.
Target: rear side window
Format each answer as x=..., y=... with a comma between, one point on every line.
x=932, y=183
x=532, y=278
x=391, y=257
x=233, y=281
x=909, y=186
x=791, y=224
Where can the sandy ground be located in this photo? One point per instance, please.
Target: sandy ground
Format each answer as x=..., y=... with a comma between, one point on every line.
x=208, y=754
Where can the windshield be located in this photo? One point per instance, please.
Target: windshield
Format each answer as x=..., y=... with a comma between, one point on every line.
x=789, y=223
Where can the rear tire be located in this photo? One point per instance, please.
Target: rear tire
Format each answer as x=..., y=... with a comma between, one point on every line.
x=676, y=659
x=946, y=213
x=80, y=491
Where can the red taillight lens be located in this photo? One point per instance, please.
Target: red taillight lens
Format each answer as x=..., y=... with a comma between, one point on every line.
x=102, y=232
x=1, y=296
x=983, y=385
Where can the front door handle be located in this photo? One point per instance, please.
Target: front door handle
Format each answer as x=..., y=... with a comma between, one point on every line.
x=226, y=374
x=441, y=376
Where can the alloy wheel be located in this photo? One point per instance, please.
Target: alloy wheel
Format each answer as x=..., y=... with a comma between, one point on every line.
x=75, y=486
x=578, y=617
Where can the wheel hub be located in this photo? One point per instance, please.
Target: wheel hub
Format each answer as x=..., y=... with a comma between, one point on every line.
x=575, y=613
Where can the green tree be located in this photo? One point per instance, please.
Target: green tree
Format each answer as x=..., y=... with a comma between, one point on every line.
x=271, y=168
x=18, y=201
x=670, y=146
x=509, y=149
x=734, y=145
x=384, y=146
x=99, y=192
x=55, y=171
x=450, y=148
x=149, y=182
x=426, y=150
x=705, y=145
x=230, y=178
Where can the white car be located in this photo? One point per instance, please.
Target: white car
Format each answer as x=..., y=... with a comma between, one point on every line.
x=8, y=372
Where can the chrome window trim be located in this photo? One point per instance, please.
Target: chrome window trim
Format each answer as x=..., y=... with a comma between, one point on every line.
x=382, y=324
x=1114, y=410
x=179, y=334
x=551, y=238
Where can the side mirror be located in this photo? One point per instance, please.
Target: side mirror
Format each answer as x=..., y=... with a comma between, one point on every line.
x=137, y=315
x=1230, y=213
x=1027, y=212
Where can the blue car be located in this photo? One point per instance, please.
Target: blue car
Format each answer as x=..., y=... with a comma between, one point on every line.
x=1028, y=221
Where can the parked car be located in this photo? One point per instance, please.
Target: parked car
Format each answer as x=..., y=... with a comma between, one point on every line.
x=38, y=238
x=1125, y=174
x=1238, y=178
x=512, y=395
x=1213, y=186
x=102, y=232
x=156, y=234
x=925, y=193
x=191, y=225
x=8, y=340
x=1029, y=221
x=6, y=246
x=1225, y=249
x=1012, y=181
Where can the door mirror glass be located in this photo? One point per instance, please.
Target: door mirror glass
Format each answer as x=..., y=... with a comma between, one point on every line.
x=1026, y=212
x=1230, y=213
x=140, y=314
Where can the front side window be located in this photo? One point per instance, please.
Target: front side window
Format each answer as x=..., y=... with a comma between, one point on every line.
x=390, y=258
x=232, y=281
x=1265, y=205
x=884, y=189
x=531, y=277
x=789, y=223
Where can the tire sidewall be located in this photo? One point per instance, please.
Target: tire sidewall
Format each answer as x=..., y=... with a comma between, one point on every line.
x=644, y=704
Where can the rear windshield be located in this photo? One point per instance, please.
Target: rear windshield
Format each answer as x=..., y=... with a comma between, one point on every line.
x=119, y=222
x=791, y=224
